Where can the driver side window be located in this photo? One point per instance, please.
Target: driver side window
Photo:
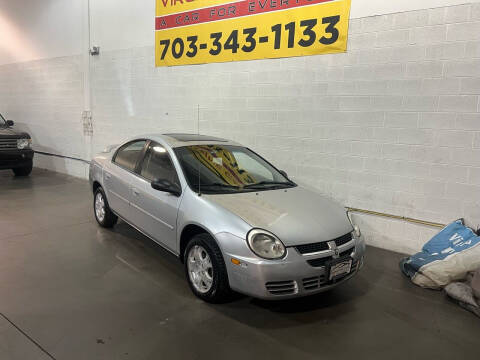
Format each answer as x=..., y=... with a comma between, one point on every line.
x=128, y=155
x=158, y=165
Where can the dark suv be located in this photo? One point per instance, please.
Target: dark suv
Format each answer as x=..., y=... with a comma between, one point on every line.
x=15, y=149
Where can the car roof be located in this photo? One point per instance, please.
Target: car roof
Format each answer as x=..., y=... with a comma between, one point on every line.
x=194, y=137
x=183, y=139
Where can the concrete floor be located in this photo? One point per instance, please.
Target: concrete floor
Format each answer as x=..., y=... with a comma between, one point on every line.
x=71, y=290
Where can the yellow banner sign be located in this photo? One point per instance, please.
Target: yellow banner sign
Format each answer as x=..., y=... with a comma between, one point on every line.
x=205, y=31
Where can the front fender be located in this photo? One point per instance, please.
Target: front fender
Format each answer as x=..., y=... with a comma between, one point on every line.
x=198, y=210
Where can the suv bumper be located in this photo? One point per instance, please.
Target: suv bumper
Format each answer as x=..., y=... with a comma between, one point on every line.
x=289, y=277
x=10, y=159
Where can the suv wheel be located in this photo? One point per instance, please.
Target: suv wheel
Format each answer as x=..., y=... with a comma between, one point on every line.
x=205, y=269
x=23, y=171
x=105, y=217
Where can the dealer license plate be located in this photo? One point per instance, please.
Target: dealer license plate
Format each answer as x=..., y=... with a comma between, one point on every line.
x=340, y=268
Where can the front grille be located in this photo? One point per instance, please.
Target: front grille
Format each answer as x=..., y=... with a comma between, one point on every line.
x=342, y=240
x=312, y=248
x=317, y=282
x=313, y=282
x=8, y=144
x=346, y=252
x=282, y=287
x=323, y=246
x=319, y=262
x=309, y=284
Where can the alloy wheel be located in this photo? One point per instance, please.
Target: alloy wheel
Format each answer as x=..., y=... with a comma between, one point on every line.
x=100, y=207
x=200, y=269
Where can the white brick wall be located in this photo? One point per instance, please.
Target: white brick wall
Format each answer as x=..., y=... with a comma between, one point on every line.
x=45, y=98
x=393, y=125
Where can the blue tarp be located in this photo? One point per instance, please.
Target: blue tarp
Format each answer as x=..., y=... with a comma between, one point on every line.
x=445, y=248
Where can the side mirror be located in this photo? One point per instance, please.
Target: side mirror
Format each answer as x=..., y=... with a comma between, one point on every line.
x=283, y=173
x=10, y=123
x=166, y=186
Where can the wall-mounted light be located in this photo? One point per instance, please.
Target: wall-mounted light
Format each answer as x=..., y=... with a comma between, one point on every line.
x=95, y=50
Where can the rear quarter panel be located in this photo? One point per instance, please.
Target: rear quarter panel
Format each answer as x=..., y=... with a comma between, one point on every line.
x=97, y=165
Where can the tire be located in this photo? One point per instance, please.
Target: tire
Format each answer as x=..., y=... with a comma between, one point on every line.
x=23, y=171
x=105, y=218
x=219, y=290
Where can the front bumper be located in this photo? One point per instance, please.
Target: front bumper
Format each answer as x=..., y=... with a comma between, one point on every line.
x=290, y=277
x=10, y=159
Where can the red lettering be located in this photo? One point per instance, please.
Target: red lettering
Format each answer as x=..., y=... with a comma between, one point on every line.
x=174, y=2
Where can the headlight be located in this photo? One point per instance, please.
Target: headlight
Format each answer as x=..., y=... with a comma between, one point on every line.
x=265, y=244
x=24, y=143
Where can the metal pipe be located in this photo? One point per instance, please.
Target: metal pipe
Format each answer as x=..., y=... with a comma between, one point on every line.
x=398, y=217
x=62, y=156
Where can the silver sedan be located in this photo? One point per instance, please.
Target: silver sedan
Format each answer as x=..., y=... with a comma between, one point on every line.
x=235, y=221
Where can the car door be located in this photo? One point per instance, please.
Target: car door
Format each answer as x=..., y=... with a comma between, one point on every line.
x=118, y=177
x=155, y=211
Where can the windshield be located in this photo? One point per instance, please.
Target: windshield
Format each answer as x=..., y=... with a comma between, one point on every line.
x=3, y=122
x=224, y=169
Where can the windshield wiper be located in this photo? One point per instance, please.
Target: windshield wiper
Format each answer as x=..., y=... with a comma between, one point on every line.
x=228, y=186
x=271, y=183
x=261, y=185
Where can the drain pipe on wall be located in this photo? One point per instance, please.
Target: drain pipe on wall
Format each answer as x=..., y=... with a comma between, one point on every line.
x=87, y=53
x=62, y=156
x=397, y=217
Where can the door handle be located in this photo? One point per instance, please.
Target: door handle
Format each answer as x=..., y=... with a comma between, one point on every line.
x=108, y=175
x=135, y=192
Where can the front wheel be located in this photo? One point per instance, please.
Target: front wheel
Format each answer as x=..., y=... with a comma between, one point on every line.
x=24, y=170
x=206, y=270
x=105, y=217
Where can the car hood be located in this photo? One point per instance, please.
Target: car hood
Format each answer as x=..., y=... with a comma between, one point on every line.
x=10, y=134
x=296, y=215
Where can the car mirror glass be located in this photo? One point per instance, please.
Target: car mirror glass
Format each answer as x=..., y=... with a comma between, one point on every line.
x=10, y=123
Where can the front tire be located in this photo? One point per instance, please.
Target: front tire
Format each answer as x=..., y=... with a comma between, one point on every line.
x=206, y=271
x=104, y=216
x=24, y=170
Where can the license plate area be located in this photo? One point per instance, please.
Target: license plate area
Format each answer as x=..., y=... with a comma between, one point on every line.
x=338, y=268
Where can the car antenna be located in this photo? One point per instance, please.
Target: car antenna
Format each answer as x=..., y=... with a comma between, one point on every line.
x=198, y=160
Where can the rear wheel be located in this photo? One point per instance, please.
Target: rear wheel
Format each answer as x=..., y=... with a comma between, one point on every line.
x=105, y=217
x=24, y=170
x=206, y=270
